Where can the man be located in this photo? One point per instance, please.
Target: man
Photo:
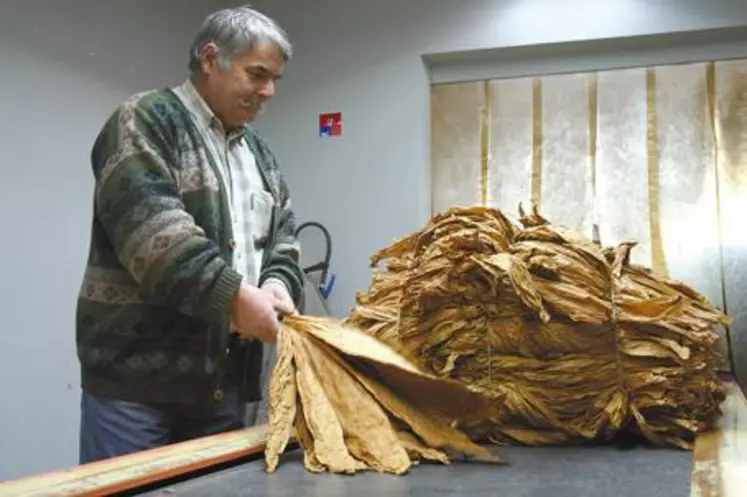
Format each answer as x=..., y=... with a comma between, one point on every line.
x=193, y=255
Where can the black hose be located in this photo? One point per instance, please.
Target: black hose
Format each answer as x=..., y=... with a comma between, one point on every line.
x=322, y=266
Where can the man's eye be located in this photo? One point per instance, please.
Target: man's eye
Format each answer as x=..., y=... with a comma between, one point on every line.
x=258, y=75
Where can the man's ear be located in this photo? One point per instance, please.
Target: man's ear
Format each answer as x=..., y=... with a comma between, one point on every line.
x=210, y=58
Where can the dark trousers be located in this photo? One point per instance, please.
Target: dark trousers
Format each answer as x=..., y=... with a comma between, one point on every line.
x=110, y=427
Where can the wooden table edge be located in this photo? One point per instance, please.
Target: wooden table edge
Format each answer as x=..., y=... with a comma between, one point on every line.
x=169, y=473
x=35, y=484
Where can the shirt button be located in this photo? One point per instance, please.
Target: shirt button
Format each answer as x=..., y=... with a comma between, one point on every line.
x=218, y=395
x=232, y=244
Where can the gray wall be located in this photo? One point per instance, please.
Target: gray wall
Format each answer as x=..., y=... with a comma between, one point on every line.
x=366, y=59
x=64, y=67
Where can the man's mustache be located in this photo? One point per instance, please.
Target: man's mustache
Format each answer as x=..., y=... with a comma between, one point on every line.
x=252, y=104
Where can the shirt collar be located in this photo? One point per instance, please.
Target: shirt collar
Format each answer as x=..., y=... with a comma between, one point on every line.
x=202, y=112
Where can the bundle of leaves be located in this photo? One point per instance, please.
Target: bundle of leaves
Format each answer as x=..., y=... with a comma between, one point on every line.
x=572, y=341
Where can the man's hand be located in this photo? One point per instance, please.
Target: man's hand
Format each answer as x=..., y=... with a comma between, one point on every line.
x=279, y=293
x=255, y=314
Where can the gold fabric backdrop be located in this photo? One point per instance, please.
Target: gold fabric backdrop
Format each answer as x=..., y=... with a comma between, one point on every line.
x=656, y=155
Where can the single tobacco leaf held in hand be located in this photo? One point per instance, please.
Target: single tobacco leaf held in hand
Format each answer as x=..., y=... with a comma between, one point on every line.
x=355, y=404
x=282, y=404
x=567, y=339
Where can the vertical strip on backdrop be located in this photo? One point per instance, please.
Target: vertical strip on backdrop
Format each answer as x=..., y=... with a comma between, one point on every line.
x=622, y=168
x=724, y=346
x=687, y=209
x=566, y=187
x=510, y=165
x=537, y=141
x=484, y=180
x=714, y=141
x=731, y=125
x=485, y=143
x=593, y=106
x=455, y=144
x=658, y=263
x=688, y=202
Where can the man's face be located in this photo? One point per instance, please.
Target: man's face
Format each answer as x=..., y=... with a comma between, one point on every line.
x=238, y=93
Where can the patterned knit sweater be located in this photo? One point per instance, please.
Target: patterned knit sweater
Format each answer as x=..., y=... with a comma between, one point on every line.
x=153, y=312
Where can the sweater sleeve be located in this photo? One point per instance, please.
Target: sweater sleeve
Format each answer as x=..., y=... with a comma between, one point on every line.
x=139, y=205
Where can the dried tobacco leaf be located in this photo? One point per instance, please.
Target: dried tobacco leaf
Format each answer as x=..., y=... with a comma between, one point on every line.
x=361, y=406
x=281, y=404
x=306, y=441
x=575, y=342
x=374, y=359
x=417, y=450
x=434, y=430
x=330, y=447
x=368, y=434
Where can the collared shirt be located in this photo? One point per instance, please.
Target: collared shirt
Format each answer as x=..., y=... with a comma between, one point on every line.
x=250, y=203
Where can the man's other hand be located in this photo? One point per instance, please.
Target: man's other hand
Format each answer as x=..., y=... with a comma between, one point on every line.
x=255, y=314
x=281, y=297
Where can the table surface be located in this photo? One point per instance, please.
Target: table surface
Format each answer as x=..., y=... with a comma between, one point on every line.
x=536, y=472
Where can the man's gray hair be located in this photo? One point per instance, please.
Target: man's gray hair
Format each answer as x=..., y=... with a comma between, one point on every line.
x=237, y=29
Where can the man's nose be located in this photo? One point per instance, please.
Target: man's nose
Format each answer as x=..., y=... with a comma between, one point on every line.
x=268, y=89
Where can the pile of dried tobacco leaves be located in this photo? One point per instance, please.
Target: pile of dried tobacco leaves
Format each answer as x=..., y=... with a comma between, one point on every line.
x=577, y=343
x=354, y=404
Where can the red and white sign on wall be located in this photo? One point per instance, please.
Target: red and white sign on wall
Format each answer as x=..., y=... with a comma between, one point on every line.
x=330, y=124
